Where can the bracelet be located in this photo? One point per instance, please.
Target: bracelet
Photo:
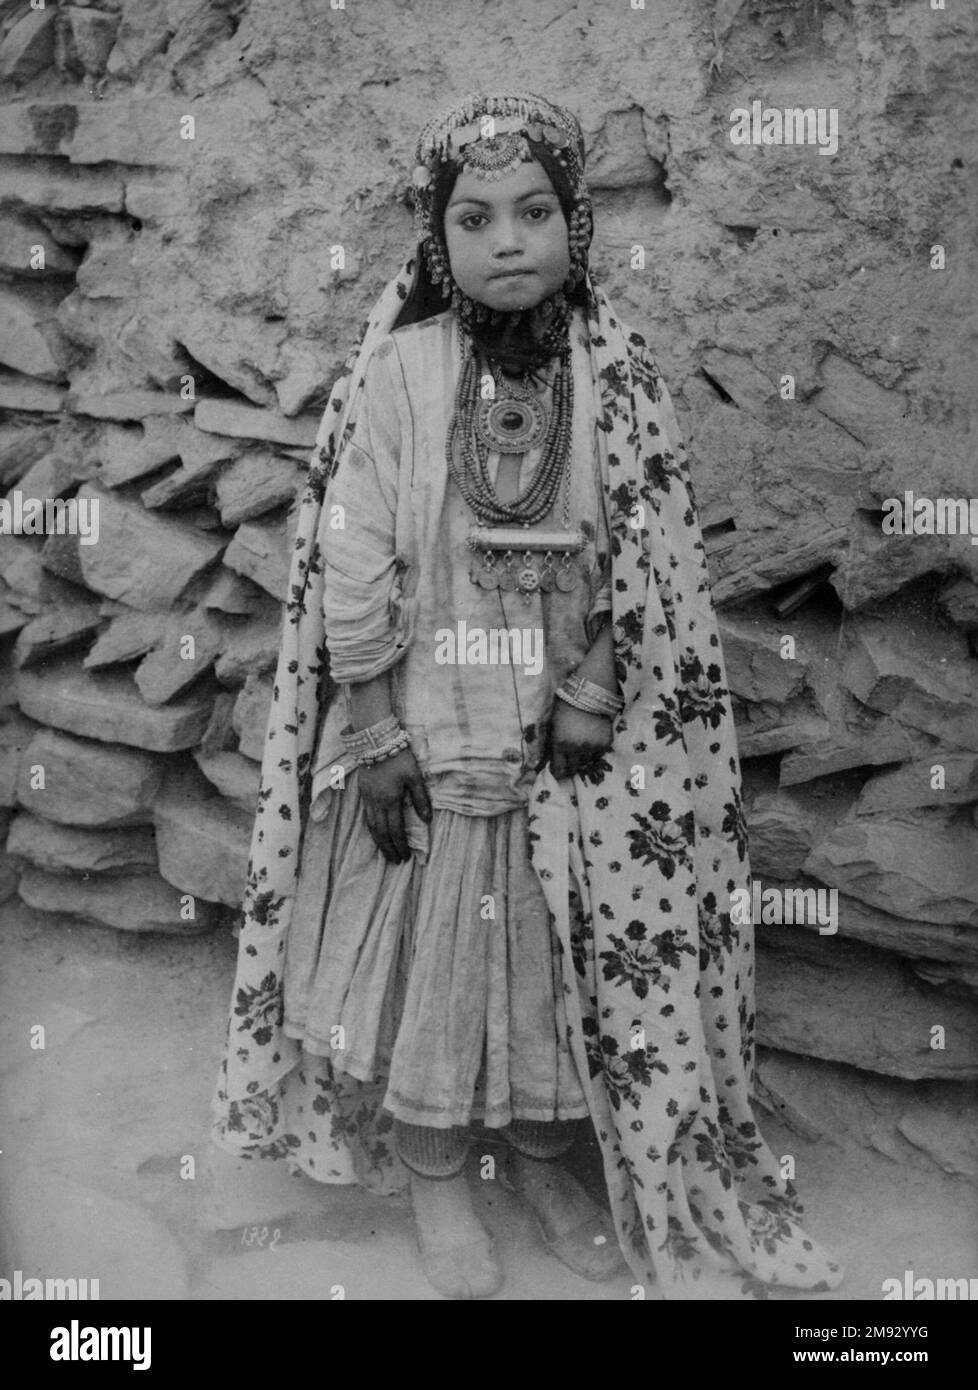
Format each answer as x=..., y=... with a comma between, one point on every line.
x=376, y=736
x=583, y=689
x=581, y=705
x=388, y=750
x=584, y=695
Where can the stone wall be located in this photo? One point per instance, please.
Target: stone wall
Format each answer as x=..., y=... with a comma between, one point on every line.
x=188, y=169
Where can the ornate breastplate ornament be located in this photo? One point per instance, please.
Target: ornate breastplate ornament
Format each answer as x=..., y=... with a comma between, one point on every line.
x=515, y=553
x=510, y=556
x=515, y=422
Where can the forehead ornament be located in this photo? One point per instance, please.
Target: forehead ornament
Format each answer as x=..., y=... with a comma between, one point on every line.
x=497, y=156
x=495, y=144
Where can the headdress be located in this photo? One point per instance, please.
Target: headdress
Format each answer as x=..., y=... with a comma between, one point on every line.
x=493, y=134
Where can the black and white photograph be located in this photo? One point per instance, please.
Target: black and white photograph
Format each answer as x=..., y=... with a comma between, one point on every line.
x=489, y=662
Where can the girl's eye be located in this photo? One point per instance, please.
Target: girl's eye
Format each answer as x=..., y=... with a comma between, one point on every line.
x=472, y=221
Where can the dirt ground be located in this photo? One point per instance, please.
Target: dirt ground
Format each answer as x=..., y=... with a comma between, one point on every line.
x=96, y=1126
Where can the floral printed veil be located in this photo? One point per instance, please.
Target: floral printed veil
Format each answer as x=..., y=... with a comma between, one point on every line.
x=638, y=862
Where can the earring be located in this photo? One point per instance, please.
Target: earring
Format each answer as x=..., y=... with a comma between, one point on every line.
x=438, y=268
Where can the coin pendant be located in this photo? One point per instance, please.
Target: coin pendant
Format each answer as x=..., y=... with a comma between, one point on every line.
x=565, y=580
x=486, y=576
x=507, y=581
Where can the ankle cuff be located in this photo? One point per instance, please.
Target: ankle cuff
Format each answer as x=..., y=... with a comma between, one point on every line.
x=543, y=1140
x=431, y=1153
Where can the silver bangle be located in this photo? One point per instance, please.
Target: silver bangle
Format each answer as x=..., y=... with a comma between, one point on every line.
x=591, y=698
x=396, y=745
x=580, y=704
x=375, y=736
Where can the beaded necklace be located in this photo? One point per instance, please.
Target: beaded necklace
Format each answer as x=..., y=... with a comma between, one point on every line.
x=512, y=419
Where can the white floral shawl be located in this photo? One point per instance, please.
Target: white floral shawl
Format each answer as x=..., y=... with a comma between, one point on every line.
x=637, y=861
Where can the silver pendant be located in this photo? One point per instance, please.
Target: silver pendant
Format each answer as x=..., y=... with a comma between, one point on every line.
x=525, y=538
x=507, y=575
x=514, y=423
x=485, y=571
x=566, y=578
x=504, y=572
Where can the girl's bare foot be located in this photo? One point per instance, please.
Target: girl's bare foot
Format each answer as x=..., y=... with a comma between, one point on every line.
x=456, y=1252
x=575, y=1230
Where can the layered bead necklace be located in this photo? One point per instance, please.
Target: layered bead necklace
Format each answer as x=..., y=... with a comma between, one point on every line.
x=512, y=419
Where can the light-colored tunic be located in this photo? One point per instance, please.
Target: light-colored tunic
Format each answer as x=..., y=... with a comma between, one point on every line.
x=442, y=969
x=476, y=730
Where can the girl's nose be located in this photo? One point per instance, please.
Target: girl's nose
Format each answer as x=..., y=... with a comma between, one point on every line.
x=507, y=239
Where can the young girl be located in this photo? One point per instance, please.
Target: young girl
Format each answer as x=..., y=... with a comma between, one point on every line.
x=490, y=880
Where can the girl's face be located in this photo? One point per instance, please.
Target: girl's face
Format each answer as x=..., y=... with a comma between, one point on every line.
x=507, y=238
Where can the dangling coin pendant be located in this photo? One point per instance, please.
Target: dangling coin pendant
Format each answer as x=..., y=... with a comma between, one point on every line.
x=566, y=576
x=529, y=580
x=507, y=576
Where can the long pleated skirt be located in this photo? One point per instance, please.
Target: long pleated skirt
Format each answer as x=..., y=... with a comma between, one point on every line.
x=441, y=973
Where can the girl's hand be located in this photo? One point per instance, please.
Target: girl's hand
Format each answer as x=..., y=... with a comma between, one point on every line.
x=577, y=739
x=383, y=788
